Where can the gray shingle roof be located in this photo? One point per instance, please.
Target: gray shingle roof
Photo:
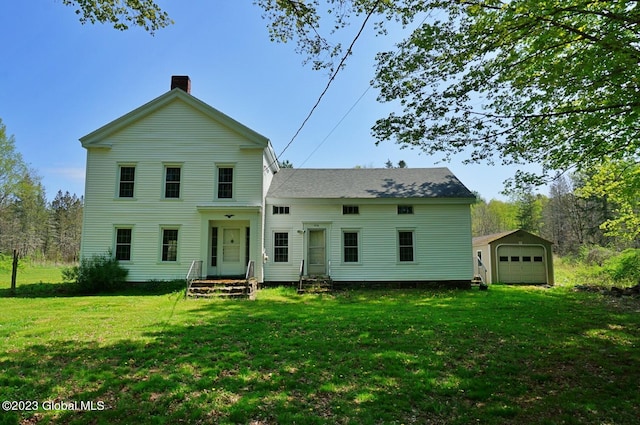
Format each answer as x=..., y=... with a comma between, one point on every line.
x=367, y=183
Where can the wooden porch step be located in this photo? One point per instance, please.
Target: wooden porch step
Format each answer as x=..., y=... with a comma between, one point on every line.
x=477, y=280
x=223, y=288
x=315, y=284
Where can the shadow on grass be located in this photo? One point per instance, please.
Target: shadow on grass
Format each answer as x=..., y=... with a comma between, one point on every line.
x=500, y=357
x=69, y=289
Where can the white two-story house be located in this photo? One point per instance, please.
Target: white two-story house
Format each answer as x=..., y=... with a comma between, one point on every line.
x=176, y=180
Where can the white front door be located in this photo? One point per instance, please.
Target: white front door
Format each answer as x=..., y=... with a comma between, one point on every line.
x=232, y=243
x=316, y=253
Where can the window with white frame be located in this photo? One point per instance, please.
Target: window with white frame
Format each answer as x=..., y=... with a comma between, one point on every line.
x=280, y=209
x=406, y=245
x=126, y=183
x=281, y=247
x=350, y=209
x=172, y=176
x=405, y=209
x=225, y=183
x=169, y=245
x=123, y=244
x=351, y=246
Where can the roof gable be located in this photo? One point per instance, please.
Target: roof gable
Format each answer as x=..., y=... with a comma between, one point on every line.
x=368, y=183
x=97, y=137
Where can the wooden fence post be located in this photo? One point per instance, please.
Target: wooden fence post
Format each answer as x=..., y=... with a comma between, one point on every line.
x=14, y=272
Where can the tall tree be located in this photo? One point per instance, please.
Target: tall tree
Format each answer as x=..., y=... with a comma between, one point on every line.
x=553, y=82
x=66, y=226
x=12, y=167
x=29, y=210
x=529, y=210
x=618, y=182
x=494, y=216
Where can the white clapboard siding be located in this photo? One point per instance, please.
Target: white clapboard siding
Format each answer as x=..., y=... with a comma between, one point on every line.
x=442, y=239
x=175, y=134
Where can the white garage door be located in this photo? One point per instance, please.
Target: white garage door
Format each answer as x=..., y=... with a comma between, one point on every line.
x=521, y=264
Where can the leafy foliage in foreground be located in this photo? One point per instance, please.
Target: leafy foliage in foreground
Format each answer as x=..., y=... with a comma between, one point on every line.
x=121, y=13
x=507, y=355
x=96, y=274
x=547, y=82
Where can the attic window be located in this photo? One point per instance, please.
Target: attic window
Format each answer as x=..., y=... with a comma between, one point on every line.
x=350, y=209
x=405, y=209
x=280, y=209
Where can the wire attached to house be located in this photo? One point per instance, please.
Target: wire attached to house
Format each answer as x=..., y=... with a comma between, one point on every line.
x=326, y=137
x=333, y=76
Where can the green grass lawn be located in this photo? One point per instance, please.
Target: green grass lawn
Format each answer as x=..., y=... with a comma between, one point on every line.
x=508, y=355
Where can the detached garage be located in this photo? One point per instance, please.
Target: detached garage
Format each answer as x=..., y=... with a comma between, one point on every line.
x=513, y=257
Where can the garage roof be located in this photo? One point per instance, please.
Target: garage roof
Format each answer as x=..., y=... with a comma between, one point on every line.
x=487, y=239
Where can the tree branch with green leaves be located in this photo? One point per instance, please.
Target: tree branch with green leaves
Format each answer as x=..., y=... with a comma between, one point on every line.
x=122, y=14
x=553, y=82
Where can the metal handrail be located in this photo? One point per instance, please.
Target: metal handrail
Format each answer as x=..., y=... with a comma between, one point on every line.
x=482, y=267
x=250, y=270
x=301, y=274
x=195, y=272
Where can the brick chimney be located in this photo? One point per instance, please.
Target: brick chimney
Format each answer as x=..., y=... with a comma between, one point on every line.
x=182, y=82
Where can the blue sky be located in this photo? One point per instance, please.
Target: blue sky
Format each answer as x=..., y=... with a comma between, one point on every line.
x=61, y=80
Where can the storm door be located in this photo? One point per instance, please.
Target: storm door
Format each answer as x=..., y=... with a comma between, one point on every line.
x=316, y=252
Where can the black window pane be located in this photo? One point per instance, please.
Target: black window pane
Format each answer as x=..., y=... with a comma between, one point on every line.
x=172, y=190
x=406, y=238
x=406, y=253
x=126, y=190
x=173, y=174
x=214, y=246
x=350, y=255
x=350, y=209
